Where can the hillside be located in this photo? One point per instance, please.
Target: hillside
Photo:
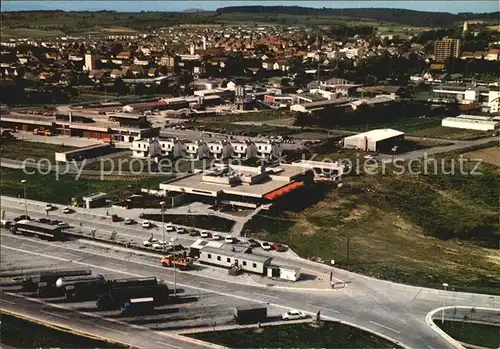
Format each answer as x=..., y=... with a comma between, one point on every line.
x=43, y=24
x=400, y=16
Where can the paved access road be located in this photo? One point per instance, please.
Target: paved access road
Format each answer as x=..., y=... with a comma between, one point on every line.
x=394, y=310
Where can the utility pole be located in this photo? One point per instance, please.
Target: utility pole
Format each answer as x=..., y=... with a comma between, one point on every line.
x=347, y=250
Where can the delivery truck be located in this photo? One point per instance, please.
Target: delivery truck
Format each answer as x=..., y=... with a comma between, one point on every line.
x=250, y=314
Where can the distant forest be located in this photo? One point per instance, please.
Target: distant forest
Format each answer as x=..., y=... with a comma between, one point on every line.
x=401, y=16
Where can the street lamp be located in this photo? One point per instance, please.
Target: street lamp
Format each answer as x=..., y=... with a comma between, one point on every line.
x=162, y=203
x=25, y=200
x=173, y=240
x=444, y=303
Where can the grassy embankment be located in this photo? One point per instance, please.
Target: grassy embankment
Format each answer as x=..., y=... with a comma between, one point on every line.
x=327, y=335
x=419, y=230
x=487, y=336
x=21, y=150
x=21, y=333
x=48, y=188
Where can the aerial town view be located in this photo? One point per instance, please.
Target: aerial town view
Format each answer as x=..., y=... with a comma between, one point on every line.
x=254, y=174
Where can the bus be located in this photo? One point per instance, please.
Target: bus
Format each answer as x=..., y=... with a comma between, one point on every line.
x=42, y=230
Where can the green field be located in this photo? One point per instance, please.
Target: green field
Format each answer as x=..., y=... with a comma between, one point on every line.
x=196, y=221
x=48, y=188
x=21, y=150
x=327, y=335
x=21, y=333
x=450, y=133
x=412, y=229
x=487, y=336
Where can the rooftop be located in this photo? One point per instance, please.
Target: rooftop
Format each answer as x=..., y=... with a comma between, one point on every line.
x=379, y=134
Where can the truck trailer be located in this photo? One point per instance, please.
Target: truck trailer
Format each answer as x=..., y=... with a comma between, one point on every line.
x=250, y=314
x=118, y=292
x=44, y=282
x=138, y=306
x=85, y=287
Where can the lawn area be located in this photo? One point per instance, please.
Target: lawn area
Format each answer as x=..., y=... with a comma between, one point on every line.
x=21, y=150
x=327, y=335
x=48, y=188
x=262, y=115
x=20, y=333
x=449, y=133
x=197, y=221
x=408, y=125
x=412, y=229
x=250, y=130
x=487, y=336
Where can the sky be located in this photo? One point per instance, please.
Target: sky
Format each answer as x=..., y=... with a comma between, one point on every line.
x=133, y=6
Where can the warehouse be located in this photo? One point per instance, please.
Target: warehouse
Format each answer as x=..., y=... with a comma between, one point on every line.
x=221, y=258
x=478, y=124
x=375, y=140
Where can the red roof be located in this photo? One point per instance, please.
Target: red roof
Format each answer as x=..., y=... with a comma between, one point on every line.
x=283, y=190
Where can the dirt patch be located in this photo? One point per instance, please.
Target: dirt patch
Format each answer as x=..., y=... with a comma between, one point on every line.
x=488, y=155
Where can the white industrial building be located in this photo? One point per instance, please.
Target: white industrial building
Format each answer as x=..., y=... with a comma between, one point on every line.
x=487, y=97
x=198, y=149
x=374, y=140
x=471, y=122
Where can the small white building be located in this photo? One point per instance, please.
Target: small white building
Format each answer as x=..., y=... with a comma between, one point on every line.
x=220, y=149
x=244, y=150
x=154, y=147
x=196, y=149
x=470, y=124
x=269, y=149
x=373, y=140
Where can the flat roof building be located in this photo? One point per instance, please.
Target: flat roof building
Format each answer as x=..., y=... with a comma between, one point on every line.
x=374, y=140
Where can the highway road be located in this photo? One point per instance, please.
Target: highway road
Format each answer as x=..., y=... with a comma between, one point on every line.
x=394, y=310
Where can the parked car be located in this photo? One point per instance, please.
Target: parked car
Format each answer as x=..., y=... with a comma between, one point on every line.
x=67, y=210
x=181, y=231
x=205, y=234
x=170, y=228
x=279, y=247
x=216, y=236
x=22, y=217
x=149, y=242
x=128, y=221
x=49, y=207
x=63, y=225
x=253, y=243
x=194, y=233
x=266, y=246
x=293, y=315
x=229, y=239
x=6, y=223
x=160, y=245
x=146, y=224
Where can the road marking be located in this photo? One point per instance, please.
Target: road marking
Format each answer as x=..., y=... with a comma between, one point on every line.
x=209, y=283
x=28, y=246
x=430, y=347
x=6, y=301
x=451, y=297
x=390, y=329
x=109, y=329
x=58, y=315
x=167, y=345
x=265, y=295
x=317, y=306
x=112, y=263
